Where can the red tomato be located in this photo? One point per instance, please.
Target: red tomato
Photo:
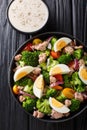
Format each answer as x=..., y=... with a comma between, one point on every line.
x=55, y=55
x=58, y=87
x=28, y=47
x=71, y=64
x=59, y=77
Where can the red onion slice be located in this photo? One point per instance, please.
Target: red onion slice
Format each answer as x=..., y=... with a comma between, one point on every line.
x=26, y=94
x=84, y=94
x=76, y=66
x=49, y=39
x=56, y=83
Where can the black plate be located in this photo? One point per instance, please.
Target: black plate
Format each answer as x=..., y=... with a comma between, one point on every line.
x=12, y=65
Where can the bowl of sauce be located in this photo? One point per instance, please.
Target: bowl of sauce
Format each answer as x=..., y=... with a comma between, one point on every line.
x=27, y=16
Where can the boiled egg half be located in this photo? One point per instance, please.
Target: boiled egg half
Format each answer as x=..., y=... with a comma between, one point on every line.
x=61, y=43
x=59, y=69
x=20, y=73
x=38, y=86
x=58, y=106
x=83, y=74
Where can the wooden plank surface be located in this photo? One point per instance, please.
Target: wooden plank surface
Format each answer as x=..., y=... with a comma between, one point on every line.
x=69, y=16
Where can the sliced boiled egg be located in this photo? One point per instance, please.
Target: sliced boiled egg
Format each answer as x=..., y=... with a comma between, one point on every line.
x=23, y=71
x=59, y=69
x=38, y=86
x=58, y=106
x=83, y=74
x=61, y=43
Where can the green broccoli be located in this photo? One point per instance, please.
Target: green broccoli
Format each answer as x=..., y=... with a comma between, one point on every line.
x=47, y=52
x=75, y=104
x=76, y=83
x=46, y=76
x=24, y=81
x=65, y=58
x=28, y=89
x=43, y=65
x=51, y=92
x=30, y=58
x=51, y=63
x=29, y=104
x=78, y=54
x=43, y=106
x=61, y=97
x=67, y=80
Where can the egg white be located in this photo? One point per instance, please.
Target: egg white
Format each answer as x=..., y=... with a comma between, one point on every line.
x=83, y=80
x=25, y=69
x=62, y=109
x=38, y=92
x=65, y=39
x=64, y=69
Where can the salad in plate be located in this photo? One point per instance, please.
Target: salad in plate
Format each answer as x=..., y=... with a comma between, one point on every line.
x=50, y=77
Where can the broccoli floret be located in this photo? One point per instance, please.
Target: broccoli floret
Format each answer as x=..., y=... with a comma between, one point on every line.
x=23, y=82
x=51, y=63
x=47, y=52
x=77, y=83
x=43, y=65
x=30, y=58
x=29, y=104
x=65, y=58
x=78, y=54
x=28, y=89
x=51, y=92
x=43, y=106
x=46, y=76
x=61, y=98
x=75, y=104
x=67, y=80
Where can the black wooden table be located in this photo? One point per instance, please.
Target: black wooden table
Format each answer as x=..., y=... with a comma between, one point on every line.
x=69, y=16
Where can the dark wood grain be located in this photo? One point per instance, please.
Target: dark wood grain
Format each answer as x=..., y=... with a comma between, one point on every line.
x=69, y=16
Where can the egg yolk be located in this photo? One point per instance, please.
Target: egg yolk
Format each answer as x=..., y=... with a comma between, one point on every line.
x=57, y=70
x=20, y=75
x=56, y=103
x=61, y=44
x=40, y=84
x=83, y=73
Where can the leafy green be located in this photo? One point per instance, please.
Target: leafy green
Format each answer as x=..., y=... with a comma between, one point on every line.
x=53, y=40
x=51, y=63
x=28, y=89
x=85, y=59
